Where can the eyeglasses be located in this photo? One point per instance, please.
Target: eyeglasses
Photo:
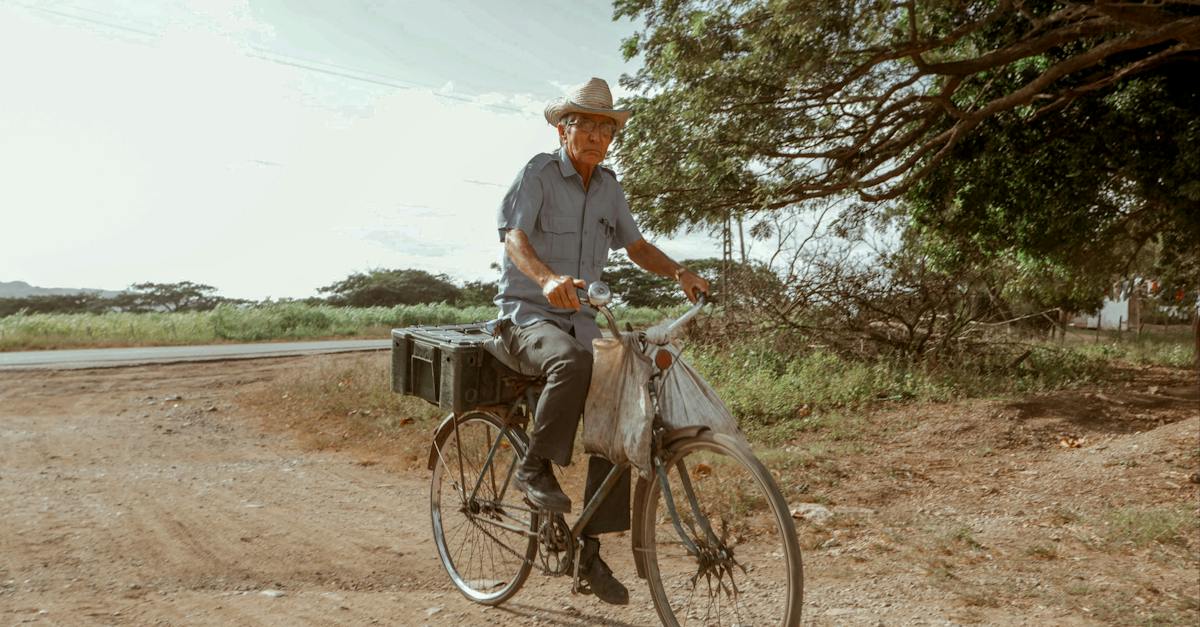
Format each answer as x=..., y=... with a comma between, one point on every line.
x=606, y=129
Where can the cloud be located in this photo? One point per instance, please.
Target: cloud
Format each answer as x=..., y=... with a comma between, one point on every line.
x=187, y=157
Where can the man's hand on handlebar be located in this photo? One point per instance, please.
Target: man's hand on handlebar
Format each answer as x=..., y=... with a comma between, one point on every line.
x=560, y=291
x=693, y=284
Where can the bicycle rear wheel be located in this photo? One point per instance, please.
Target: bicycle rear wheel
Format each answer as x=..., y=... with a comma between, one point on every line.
x=731, y=556
x=484, y=531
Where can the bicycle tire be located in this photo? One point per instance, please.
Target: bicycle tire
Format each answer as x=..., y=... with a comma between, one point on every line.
x=466, y=531
x=756, y=577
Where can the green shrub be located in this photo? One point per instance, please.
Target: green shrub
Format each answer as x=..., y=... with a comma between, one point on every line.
x=1143, y=527
x=764, y=381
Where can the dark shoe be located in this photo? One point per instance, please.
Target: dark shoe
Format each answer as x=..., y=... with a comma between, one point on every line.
x=598, y=575
x=536, y=479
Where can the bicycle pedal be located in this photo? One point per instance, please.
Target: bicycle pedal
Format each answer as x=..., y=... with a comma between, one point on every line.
x=541, y=511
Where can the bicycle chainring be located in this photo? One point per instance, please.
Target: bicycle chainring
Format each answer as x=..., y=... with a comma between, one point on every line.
x=555, y=548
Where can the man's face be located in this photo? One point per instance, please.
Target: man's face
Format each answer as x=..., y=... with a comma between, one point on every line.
x=586, y=148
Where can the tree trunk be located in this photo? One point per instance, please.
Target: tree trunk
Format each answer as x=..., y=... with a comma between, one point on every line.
x=1135, y=312
x=1196, y=335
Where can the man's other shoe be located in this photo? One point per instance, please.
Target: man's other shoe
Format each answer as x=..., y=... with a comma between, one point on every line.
x=599, y=576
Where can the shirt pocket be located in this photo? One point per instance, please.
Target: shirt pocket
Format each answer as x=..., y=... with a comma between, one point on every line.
x=606, y=233
x=562, y=237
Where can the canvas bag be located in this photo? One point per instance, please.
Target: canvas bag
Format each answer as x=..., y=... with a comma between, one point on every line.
x=685, y=399
x=618, y=414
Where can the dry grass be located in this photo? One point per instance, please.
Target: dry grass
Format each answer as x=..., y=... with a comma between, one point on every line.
x=345, y=402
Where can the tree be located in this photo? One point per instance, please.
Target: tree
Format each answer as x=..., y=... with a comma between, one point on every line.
x=1106, y=186
x=478, y=293
x=83, y=302
x=181, y=296
x=386, y=288
x=637, y=288
x=1057, y=140
x=760, y=104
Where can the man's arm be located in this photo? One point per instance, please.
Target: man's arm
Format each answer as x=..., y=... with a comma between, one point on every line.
x=559, y=289
x=650, y=258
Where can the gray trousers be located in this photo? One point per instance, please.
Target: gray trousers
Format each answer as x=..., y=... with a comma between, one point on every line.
x=567, y=365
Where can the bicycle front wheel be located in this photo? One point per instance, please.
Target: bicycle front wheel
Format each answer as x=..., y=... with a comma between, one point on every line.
x=718, y=543
x=484, y=531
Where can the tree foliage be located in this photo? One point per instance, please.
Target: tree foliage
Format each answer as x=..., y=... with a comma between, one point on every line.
x=1108, y=185
x=387, y=288
x=478, y=293
x=635, y=287
x=140, y=297
x=84, y=302
x=181, y=296
x=755, y=105
x=1035, y=150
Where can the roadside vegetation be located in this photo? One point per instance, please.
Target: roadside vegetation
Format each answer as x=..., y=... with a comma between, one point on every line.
x=779, y=397
x=766, y=385
x=242, y=323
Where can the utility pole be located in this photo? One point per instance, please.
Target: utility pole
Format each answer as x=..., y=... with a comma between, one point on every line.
x=742, y=239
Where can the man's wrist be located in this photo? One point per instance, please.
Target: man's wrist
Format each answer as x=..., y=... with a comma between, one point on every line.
x=679, y=272
x=544, y=278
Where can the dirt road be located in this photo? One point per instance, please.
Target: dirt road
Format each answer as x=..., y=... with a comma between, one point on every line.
x=147, y=496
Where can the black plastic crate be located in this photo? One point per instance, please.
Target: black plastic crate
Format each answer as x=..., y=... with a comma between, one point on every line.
x=447, y=366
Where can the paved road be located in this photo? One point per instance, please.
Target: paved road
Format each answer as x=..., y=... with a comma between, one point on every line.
x=106, y=357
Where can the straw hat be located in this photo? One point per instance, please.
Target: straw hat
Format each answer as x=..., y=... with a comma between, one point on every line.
x=590, y=97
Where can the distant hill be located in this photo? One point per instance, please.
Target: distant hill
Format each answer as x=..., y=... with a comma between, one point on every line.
x=21, y=289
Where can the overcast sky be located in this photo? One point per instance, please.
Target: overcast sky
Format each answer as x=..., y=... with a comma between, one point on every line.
x=271, y=147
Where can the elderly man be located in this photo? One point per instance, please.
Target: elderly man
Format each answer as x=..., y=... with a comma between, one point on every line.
x=558, y=222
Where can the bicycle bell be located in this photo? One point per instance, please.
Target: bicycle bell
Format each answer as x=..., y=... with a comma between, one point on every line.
x=598, y=294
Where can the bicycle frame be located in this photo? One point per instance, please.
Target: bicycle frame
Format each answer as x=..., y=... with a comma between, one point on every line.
x=601, y=493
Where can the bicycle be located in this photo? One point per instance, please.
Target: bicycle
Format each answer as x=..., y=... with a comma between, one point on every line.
x=711, y=533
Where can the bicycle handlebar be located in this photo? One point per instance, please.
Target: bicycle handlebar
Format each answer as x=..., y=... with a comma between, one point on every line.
x=701, y=301
x=598, y=295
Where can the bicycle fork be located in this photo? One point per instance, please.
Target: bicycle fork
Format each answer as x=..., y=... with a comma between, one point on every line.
x=697, y=515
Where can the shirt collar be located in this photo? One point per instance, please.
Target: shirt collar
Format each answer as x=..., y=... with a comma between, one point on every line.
x=568, y=169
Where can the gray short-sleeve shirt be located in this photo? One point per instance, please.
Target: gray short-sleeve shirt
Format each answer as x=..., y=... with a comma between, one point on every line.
x=571, y=229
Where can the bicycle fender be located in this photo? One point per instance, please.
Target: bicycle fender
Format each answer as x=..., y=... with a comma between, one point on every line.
x=439, y=435
x=639, y=502
x=681, y=433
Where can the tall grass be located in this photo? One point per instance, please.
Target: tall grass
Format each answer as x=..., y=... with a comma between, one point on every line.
x=1146, y=350
x=228, y=323
x=764, y=386
x=224, y=324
